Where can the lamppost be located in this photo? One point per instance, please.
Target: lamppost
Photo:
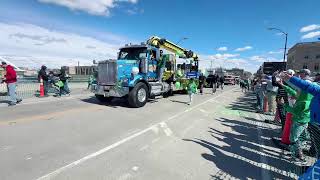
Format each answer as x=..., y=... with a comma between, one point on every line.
x=286, y=41
x=184, y=38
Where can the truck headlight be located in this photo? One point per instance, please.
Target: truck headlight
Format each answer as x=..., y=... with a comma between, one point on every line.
x=135, y=70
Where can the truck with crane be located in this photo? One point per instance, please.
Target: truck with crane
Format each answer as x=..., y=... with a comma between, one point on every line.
x=142, y=71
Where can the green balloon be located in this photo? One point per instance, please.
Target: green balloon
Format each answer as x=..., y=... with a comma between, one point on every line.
x=177, y=85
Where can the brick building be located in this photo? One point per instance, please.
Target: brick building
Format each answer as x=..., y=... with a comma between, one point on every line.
x=304, y=55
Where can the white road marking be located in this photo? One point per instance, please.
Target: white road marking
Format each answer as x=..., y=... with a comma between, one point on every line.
x=125, y=176
x=28, y=158
x=155, y=140
x=135, y=168
x=116, y=144
x=145, y=147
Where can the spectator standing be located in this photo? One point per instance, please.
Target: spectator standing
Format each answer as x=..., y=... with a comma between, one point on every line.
x=300, y=119
x=44, y=76
x=271, y=95
x=11, y=79
x=282, y=99
x=313, y=89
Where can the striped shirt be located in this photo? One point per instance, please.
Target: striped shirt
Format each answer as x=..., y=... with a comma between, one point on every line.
x=282, y=94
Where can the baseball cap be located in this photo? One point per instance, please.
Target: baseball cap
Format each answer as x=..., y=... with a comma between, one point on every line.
x=305, y=71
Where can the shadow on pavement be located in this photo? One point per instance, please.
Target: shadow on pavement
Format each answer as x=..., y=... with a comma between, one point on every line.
x=240, y=153
x=4, y=102
x=181, y=102
x=115, y=103
x=245, y=103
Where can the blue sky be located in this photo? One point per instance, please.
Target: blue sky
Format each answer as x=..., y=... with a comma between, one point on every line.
x=57, y=32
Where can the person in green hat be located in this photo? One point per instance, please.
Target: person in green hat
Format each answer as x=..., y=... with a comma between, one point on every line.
x=192, y=89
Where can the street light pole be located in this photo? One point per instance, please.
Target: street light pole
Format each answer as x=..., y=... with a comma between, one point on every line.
x=285, y=48
x=286, y=41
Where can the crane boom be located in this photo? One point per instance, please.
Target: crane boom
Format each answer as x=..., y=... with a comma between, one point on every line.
x=172, y=47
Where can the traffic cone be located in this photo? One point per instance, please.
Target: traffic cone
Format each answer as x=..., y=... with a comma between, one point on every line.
x=265, y=104
x=41, y=88
x=285, y=139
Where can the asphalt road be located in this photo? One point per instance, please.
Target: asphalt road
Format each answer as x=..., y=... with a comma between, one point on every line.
x=217, y=137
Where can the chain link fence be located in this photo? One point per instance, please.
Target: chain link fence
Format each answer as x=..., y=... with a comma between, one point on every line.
x=28, y=88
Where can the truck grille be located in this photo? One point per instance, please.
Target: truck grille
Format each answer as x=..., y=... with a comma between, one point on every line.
x=107, y=72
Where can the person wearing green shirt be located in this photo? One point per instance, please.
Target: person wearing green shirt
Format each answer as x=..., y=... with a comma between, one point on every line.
x=90, y=80
x=192, y=89
x=300, y=119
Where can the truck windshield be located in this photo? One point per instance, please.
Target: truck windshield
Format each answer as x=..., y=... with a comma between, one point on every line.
x=132, y=53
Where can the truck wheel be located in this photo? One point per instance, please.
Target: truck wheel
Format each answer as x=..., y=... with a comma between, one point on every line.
x=101, y=98
x=138, y=96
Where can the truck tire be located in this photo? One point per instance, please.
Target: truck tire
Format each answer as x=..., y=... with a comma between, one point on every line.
x=138, y=96
x=101, y=98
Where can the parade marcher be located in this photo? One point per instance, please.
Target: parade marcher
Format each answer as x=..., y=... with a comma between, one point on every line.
x=300, y=119
x=10, y=79
x=192, y=89
x=44, y=76
x=221, y=81
x=64, y=78
x=202, y=80
x=91, y=79
x=214, y=83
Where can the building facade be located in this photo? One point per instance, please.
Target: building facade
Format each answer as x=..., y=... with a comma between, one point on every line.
x=304, y=56
x=80, y=70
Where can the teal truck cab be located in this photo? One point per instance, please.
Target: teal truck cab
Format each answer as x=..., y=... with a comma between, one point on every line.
x=137, y=72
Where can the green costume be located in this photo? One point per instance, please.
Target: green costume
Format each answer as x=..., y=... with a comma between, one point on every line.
x=300, y=117
x=192, y=87
x=301, y=109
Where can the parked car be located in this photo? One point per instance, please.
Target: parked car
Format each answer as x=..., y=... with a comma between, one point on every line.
x=229, y=80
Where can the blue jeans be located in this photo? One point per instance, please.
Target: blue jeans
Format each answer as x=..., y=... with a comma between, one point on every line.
x=12, y=93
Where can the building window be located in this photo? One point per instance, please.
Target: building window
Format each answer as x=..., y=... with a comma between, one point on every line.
x=305, y=66
x=318, y=56
x=316, y=67
x=306, y=57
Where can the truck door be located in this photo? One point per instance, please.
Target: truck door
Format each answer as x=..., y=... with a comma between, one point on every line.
x=152, y=63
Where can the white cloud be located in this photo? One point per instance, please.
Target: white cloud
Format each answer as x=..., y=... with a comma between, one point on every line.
x=224, y=56
x=94, y=7
x=221, y=60
x=311, y=35
x=275, y=52
x=264, y=59
x=31, y=46
x=222, y=49
x=244, y=48
x=310, y=28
